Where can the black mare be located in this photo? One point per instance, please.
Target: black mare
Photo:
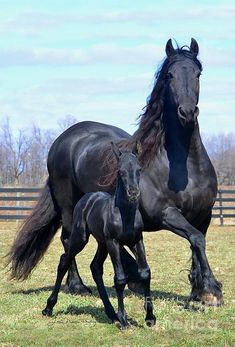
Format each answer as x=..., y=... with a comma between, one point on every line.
x=178, y=182
x=99, y=214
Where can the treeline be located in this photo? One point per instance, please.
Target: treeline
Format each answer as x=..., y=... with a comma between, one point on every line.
x=23, y=154
x=221, y=149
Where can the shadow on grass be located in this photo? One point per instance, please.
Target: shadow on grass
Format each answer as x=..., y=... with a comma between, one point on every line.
x=156, y=294
x=181, y=300
x=96, y=312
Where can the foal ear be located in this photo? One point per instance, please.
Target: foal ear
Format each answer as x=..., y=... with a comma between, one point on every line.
x=194, y=48
x=116, y=150
x=169, y=48
x=137, y=149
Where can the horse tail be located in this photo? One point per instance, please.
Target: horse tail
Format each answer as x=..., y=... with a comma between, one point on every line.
x=34, y=236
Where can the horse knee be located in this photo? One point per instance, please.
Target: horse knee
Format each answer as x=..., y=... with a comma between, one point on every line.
x=197, y=241
x=120, y=281
x=145, y=274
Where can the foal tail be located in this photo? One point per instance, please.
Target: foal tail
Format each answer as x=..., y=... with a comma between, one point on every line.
x=34, y=236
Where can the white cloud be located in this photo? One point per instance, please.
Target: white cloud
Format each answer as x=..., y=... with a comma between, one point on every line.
x=105, y=53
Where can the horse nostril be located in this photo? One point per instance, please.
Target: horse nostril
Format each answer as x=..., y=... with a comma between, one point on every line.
x=133, y=193
x=181, y=112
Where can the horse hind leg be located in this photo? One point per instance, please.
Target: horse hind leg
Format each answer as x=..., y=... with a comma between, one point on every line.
x=64, y=264
x=74, y=284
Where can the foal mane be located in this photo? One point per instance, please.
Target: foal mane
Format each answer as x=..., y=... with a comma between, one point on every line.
x=151, y=132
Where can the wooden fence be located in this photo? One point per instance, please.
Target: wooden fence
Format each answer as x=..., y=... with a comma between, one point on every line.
x=16, y=203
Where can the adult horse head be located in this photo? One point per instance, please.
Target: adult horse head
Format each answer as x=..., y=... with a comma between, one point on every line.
x=173, y=103
x=183, y=70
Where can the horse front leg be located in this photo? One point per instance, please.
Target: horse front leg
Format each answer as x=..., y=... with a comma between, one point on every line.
x=145, y=277
x=203, y=281
x=195, y=271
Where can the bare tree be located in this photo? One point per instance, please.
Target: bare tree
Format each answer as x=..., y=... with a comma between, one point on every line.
x=221, y=148
x=14, y=155
x=66, y=122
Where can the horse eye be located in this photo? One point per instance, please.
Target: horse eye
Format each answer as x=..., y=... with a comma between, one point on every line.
x=199, y=74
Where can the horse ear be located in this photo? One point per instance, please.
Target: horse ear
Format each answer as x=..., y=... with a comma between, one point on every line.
x=194, y=48
x=116, y=150
x=137, y=149
x=169, y=48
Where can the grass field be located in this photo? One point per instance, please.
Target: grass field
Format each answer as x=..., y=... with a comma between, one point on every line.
x=81, y=321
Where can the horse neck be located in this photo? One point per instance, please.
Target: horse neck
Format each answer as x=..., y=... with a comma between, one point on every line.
x=127, y=209
x=180, y=142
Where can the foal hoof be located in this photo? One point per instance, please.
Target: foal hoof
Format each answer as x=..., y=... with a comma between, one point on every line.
x=47, y=312
x=210, y=299
x=77, y=289
x=150, y=322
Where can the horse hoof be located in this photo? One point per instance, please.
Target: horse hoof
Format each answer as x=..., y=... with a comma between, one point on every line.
x=76, y=289
x=121, y=325
x=210, y=299
x=47, y=312
x=136, y=287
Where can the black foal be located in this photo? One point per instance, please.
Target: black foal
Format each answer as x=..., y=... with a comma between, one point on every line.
x=114, y=220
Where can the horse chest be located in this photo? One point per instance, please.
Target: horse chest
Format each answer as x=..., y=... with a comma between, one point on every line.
x=194, y=200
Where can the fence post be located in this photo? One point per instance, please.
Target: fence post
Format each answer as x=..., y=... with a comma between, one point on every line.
x=221, y=216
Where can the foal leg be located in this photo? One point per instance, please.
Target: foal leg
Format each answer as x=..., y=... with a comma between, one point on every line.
x=119, y=278
x=145, y=276
x=97, y=273
x=207, y=286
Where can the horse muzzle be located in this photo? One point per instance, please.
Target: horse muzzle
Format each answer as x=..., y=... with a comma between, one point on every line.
x=188, y=116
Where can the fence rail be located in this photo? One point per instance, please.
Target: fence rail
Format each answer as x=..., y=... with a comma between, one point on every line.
x=16, y=203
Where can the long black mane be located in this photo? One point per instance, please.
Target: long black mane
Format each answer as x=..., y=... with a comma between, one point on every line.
x=151, y=128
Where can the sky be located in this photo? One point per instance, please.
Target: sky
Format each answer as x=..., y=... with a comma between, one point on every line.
x=96, y=60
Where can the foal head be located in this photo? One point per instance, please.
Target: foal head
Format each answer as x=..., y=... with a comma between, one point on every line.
x=128, y=172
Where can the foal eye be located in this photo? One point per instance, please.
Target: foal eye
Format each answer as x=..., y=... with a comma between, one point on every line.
x=169, y=75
